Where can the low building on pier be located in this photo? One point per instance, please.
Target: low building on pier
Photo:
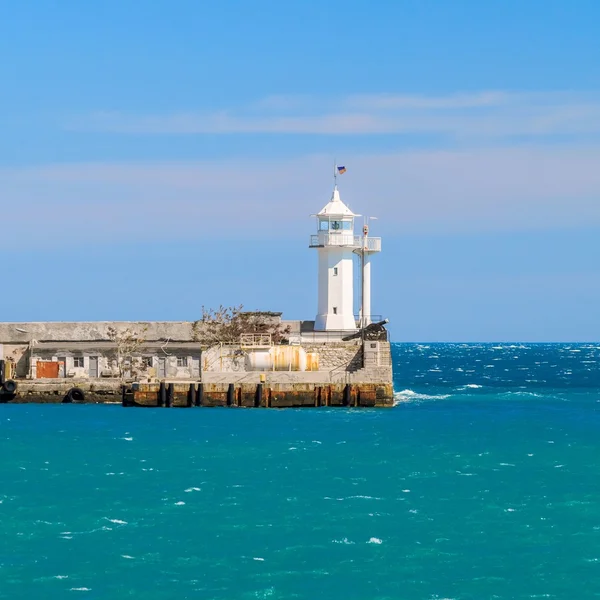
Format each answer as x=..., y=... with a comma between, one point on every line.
x=154, y=351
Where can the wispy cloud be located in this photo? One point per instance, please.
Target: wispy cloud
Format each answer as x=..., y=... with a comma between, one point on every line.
x=486, y=114
x=477, y=189
x=406, y=101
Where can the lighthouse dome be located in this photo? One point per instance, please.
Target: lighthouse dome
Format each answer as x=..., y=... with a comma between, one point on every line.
x=335, y=207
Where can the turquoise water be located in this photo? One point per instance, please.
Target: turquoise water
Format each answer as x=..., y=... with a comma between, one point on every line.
x=483, y=482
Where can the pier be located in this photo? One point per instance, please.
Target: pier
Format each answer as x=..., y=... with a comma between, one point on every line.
x=228, y=357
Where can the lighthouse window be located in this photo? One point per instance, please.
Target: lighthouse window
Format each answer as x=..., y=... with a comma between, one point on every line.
x=335, y=271
x=346, y=225
x=336, y=225
x=335, y=310
x=324, y=225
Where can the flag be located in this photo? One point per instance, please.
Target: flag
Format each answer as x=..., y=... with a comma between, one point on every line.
x=341, y=170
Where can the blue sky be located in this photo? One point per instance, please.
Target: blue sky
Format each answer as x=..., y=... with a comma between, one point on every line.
x=157, y=157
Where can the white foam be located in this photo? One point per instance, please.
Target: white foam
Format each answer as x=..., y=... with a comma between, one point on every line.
x=192, y=489
x=473, y=386
x=127, y=439
x=344, y=541
x=81, y=589
x=411, y=396
x=365, y=497
x=375, y=540
x=180, y=503
x=258, y=558
x=117, y=521
x=61, y=577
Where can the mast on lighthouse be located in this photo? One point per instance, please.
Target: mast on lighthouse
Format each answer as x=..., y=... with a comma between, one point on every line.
x=336, y=244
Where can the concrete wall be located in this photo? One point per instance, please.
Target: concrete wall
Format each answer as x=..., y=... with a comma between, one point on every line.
x=23, y=333
x=93, y=331
x=346, y=356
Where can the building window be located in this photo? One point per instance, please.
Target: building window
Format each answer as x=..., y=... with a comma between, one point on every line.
x=147, y=362
x=182, y=361
x=78, y=361
x=335, y=310
x=335, y=271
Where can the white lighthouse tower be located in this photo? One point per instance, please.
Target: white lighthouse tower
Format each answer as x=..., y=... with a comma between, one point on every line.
x=336, y=245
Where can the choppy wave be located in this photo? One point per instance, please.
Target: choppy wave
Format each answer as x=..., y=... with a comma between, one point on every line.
x=459, y=470
x=412, y=396
x=438, y=371
x=480, y=393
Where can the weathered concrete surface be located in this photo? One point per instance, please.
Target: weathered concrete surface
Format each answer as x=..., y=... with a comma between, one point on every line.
x=85, y=331
x=338, y=355
x=93, y=331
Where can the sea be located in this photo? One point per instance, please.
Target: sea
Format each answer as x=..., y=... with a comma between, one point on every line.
x=483, y=482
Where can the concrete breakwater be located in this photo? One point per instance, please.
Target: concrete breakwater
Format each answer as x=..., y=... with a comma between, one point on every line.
x=172, y=364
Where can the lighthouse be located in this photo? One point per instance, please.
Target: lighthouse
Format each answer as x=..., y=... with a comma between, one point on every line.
x=337, y=244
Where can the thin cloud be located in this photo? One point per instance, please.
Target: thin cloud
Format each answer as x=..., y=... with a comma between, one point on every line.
x=405, y=101
x=477, y=189
x=488, y=114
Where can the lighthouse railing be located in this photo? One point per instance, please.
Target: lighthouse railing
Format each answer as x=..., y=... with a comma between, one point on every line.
x=373, y=244
x=324, y=238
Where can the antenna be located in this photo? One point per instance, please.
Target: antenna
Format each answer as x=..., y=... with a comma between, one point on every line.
x=335, y=173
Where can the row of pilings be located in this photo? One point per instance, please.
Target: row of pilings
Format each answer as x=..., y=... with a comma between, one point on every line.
x=257, y=395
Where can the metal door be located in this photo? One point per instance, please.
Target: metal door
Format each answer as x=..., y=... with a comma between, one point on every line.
x=162, y=368
x=93, y=366
x=47, y=369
